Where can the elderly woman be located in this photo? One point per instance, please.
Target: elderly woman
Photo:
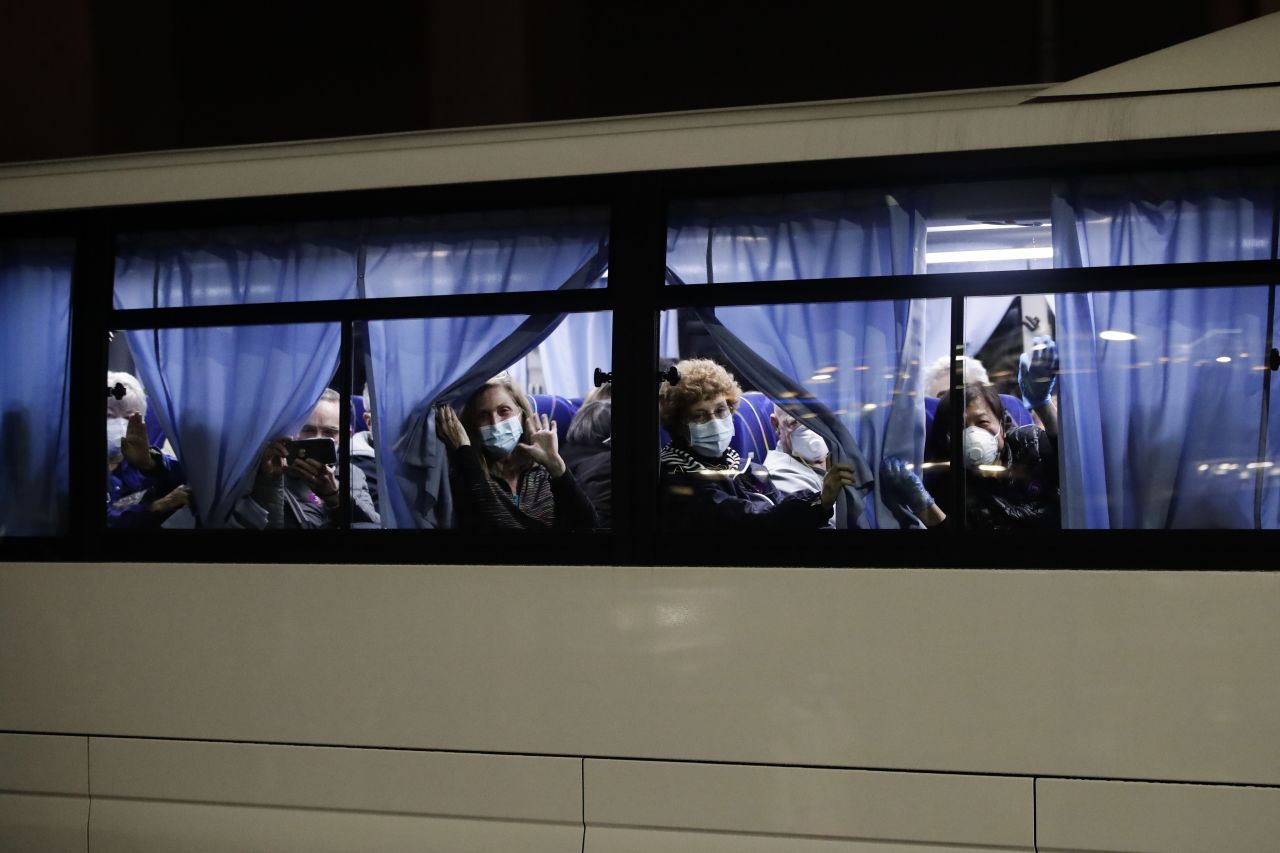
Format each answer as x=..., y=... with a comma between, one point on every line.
x=702, y=484
x=507, y=470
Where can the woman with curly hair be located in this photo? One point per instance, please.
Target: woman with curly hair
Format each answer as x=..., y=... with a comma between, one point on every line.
x=703, y=484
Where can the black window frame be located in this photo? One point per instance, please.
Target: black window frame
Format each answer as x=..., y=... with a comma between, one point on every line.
x=636, y=294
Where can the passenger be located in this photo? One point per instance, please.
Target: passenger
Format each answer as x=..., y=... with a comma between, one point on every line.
x=702, y=486
x=1011, y=471
x=144, y=485
x=363, y=455
x=938, y=377
x=507, y=471
x=303, y=494
x=799, y=461
x=589, y=456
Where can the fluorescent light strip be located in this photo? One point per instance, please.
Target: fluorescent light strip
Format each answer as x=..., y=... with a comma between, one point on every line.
x=981, y=226
x=979, y=255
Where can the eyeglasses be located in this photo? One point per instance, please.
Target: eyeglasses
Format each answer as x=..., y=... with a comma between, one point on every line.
x=720, y=412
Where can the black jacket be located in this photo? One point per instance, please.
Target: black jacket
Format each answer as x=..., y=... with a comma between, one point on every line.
x=1025, y=496
x=700, y=494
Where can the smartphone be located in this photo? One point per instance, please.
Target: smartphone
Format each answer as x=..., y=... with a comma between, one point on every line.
x=320, y=449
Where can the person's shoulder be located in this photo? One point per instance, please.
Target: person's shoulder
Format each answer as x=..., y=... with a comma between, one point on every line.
x=776, y=458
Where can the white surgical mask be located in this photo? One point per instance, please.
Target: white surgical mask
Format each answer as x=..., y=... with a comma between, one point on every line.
x=713, y=437
x=980, y=446
x=501, y=438
x=808, y=445
x=116, y=428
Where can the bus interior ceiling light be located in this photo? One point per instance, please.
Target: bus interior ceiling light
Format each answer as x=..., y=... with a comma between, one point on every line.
x=1117, y=335
x=977, y=256
x=983, y=226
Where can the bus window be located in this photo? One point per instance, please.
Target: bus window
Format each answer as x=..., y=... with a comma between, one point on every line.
x=802, y=417
x=489, y=252
x=488, y=423
x=224, y=427
x=35, y=328
x=797, y=236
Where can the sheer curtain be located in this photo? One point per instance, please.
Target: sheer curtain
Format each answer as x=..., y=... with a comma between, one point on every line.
x=222, y=393
x=35, y=326
x=1161, y=429
x=412, y=365
x=853, y=366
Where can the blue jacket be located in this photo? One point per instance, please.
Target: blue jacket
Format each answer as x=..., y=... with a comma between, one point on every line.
x=130, y=491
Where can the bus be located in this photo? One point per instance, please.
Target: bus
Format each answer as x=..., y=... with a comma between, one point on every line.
x=897, y=473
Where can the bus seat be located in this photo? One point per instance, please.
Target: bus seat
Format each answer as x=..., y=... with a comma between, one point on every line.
x=752, y=430
x=561, y=410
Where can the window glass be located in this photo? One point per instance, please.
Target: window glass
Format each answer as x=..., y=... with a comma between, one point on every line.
x=488, y=423
x=993, y=227
x=799, y=236
x=236, y=266
x=494, y=252
x=486, y=253
x=35, y=325
x=800, y=417
x=1164, y=219
x=1114, y=410
x=224, y=427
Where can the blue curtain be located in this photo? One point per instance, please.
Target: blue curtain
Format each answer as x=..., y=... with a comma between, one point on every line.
x=35, y=326
x=859, y=360
x=413, y=364
x=311, y=261
x=570, y=354
x=221, y=393
x=1162, y=430
x=497, y=252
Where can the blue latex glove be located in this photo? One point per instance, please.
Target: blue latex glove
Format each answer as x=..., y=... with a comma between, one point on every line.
x=899, y=484
x=1038, y=372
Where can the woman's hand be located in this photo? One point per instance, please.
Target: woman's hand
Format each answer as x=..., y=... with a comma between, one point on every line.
x=450, y=429
x=541, y=445
x=135, y=446
x=837, y=477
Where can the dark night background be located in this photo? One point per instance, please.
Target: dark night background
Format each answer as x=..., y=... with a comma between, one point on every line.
x=81, y=78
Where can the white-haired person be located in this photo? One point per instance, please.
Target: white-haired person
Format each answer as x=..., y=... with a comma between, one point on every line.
x=507, y=472
x=937, y=377
x=303, y=493
x=703, y=486
x=144, y=485
x=799, y=461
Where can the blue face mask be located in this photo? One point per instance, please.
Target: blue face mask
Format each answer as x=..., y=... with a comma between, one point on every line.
x=501, y=438
x=713, y=437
